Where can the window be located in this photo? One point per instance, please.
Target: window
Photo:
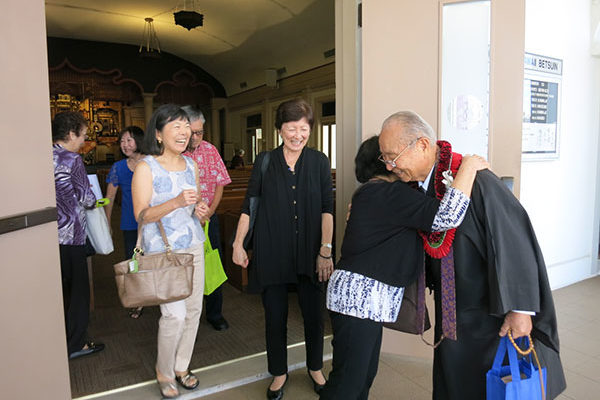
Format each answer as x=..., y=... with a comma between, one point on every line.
x=254, y=135
x=328, y=131
x=328, y=138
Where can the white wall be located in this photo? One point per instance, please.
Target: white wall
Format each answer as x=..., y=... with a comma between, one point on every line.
x=561, y=196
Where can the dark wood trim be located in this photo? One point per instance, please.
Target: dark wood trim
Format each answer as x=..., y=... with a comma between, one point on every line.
x=27, y=220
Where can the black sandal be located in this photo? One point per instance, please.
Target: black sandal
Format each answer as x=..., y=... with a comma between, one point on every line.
x=136, y=312
x=185, y=379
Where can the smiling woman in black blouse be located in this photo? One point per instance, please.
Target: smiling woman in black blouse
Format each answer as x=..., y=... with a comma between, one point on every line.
x=292, y=239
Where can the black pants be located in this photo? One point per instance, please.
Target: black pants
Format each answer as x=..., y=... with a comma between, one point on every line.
x=356, y=347
x=275, y=303
x=129, y=240
x=76, y=295
x=214, y=301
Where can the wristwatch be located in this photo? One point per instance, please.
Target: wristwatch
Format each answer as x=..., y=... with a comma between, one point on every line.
x=328, y=245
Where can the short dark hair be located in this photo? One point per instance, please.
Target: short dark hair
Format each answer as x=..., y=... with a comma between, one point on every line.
x=65, y=122
x=293, y=110
x=366, y=163
x=137, y=134
x=160, y=117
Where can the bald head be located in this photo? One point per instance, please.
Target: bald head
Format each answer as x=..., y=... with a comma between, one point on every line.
x=410, y=141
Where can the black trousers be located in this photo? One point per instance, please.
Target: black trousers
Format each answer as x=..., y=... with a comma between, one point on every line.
x=214, y=301
x=129, y=240
x=76, y=295
x=275, y=303
x=356, y=347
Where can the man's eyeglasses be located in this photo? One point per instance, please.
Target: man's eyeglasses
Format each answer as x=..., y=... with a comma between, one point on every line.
x=392, y=163
x=199, y=133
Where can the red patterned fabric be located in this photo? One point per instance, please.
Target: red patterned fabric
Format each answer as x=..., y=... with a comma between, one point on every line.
x=211, y=170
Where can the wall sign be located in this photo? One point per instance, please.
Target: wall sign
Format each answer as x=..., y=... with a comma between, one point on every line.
x=548, y=65
x=541, y=107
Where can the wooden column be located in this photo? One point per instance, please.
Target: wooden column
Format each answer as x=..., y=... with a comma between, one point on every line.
x=148, y=105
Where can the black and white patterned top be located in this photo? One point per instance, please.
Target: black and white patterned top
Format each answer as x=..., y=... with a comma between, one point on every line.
x=362, y=297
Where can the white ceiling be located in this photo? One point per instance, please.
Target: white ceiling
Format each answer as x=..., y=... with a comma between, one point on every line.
x=239, y=39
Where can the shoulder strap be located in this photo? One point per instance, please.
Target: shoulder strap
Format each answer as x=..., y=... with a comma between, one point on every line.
x=265, y=163
x=161, y=228
x=189, y=161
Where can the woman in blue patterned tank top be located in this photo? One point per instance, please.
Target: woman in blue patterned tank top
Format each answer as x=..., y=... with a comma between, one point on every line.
x=165, y=187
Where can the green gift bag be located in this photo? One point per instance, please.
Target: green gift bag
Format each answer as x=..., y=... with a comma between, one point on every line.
x=214, y=275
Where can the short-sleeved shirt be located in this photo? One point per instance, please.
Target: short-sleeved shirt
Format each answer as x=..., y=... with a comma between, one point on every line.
x=211, y=170
x=120, y=175
x=183, y=230
x=73, y=195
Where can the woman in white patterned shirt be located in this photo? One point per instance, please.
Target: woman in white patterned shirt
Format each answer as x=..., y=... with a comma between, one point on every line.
x=380, y=255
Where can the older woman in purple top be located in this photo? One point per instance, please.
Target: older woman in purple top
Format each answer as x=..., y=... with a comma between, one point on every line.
x=73, y=195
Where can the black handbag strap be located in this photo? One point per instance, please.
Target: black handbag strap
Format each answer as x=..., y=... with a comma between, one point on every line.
x=263, y=169
x=263, y=166
x=161, y=228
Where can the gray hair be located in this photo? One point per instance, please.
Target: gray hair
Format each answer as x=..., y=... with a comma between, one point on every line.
x=194, y=114
x=413, y=126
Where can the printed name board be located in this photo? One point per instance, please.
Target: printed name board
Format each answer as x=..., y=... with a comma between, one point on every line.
x=548, y=65
x=541, y=101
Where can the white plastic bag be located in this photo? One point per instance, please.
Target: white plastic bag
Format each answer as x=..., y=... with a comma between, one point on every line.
x=98, y=231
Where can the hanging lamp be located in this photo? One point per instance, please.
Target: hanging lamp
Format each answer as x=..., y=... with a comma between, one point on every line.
x=186, y=15
x=150, y=46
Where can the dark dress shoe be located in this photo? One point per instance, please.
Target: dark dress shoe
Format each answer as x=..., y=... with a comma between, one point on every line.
x=276, y=394
x=91, y=349
x=219, y=324
x=317, y=387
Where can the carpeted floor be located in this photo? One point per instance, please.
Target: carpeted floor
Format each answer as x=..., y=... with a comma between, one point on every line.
x=130, y=352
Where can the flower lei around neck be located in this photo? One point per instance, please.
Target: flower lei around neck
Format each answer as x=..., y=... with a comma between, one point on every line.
x=438, y=244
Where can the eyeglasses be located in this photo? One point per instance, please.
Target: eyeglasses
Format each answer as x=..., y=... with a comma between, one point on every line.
x=199, y=133
x=392, y=163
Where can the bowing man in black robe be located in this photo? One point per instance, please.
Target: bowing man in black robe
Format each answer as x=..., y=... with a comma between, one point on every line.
x=499, y=271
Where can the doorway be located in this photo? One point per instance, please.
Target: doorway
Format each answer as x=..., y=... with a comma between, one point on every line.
x=130, y=351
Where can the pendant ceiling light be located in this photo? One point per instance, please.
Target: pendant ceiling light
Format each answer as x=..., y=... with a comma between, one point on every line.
x=187, y=15
x=150, y=46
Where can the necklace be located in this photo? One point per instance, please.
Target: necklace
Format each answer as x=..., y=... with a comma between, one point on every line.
x=438, y=244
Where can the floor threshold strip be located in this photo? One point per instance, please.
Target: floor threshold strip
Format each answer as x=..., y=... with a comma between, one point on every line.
x=213, y=388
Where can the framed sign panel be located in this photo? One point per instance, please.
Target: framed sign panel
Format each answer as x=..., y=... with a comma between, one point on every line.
x=541, y=107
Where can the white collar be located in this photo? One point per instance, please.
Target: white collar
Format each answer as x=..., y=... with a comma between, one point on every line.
x=425, y=183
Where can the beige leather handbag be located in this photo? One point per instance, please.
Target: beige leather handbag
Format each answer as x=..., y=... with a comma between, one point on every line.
x=148, y=280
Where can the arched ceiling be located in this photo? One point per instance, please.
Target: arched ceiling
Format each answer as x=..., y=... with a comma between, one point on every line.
x=240, y=39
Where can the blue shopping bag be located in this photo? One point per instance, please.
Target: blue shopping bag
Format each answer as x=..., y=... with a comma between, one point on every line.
x=519, y=380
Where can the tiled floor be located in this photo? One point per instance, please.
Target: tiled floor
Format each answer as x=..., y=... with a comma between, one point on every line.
x=578, y=308
x=398, y=378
